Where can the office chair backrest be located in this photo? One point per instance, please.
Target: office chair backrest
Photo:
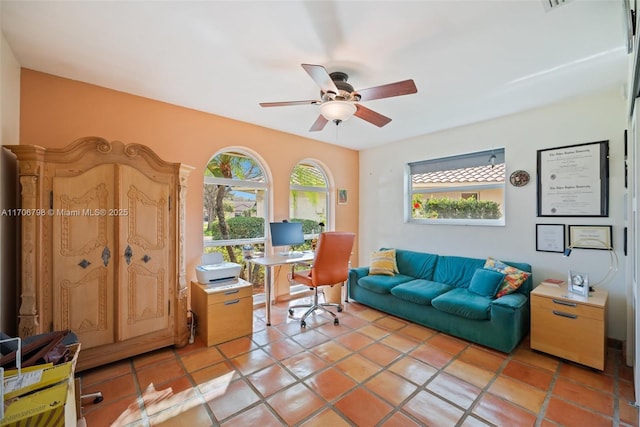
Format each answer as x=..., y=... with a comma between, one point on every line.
x=331, y=262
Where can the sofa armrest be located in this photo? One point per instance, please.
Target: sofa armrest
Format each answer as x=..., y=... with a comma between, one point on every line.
x=514, y=301
x=356, y=273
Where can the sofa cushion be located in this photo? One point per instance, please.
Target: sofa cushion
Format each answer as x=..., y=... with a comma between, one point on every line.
x=420, y=291
x=456, y=271
x=382, y=284
x=416, y=264
x=513, y=279
x=486, y=282
x=461, y=302
x=383, y=263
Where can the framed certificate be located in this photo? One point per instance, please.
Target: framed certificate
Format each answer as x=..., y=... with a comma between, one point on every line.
x=550, y=238
x=574, y=180
x=590, y=237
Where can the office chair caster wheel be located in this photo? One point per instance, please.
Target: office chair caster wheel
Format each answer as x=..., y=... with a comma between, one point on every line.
x=339, y=309
x=303, y=324
x=98, y=399
x=290, y=312
x=336, y=321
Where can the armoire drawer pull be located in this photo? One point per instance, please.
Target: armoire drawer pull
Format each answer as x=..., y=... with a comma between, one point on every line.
x=230, y=302
x=569, y=304
x=568, y=315
x=231, y=291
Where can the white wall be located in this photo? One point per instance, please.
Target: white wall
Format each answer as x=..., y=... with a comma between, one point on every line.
x=9, y=134
x=588, y=119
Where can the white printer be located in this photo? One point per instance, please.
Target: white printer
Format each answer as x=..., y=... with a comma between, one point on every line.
x=215, y=270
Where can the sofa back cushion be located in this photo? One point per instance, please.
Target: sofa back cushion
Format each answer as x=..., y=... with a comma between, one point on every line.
x=456, y=271
x=419, y=265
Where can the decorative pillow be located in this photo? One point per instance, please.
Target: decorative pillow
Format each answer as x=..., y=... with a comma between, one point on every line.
x=512, y=281
x=383, y=263
x=486, y=282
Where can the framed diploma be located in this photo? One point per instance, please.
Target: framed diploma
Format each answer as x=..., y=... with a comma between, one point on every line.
x=550, y=238
x=590, y=237
x=574, y=180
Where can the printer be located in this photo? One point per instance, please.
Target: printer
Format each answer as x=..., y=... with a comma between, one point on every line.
x=215, y=270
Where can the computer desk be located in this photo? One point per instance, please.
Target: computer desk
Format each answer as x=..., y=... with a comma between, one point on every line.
x=272, y=261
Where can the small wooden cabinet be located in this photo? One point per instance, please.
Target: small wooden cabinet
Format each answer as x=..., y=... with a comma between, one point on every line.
x=570, y=326
x=223, y=312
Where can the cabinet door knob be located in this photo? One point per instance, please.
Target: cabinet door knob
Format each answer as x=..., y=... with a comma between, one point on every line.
x=128, y=253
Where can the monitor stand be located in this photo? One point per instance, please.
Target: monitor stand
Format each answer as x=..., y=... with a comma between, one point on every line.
x=289, y=253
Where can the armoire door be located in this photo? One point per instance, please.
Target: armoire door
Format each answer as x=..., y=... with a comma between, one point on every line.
x=145, y=273
x=83, y=255
x=110, y=244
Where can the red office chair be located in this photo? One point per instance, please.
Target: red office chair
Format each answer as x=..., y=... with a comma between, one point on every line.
x=330, y=267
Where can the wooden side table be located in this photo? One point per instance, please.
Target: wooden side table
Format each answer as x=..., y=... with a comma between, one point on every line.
x=570, y=326
x=223, y=311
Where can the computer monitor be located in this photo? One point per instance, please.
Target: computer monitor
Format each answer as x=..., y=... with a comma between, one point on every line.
x=286, y=233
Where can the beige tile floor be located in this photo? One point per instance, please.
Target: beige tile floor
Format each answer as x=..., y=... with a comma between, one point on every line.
x=371, y=370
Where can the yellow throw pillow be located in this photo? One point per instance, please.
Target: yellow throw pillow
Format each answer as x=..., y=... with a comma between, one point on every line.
x=383, y=263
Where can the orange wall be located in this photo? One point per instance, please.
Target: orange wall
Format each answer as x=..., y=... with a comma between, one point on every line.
x=55, y=111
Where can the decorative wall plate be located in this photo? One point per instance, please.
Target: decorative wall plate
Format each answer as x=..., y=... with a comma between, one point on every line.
x=519, y=178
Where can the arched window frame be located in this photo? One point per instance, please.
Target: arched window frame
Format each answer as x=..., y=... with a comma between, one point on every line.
x=327, y=190
x=266, y=186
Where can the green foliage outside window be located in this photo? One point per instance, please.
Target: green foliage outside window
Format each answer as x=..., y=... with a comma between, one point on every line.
x=441, y=208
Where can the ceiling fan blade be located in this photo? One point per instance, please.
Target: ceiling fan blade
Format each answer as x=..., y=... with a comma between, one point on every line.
x=286, y=103
x=404, y=87
x=319, y=124
x=371, y=116
x=322, y=78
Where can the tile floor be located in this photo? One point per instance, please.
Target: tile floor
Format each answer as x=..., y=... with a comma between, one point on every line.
x=371, y=370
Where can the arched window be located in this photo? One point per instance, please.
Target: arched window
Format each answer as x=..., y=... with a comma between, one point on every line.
x=309, y=197
x=235, y=206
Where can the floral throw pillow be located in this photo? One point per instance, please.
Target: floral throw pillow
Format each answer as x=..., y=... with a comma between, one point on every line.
x=383, y=263
x=513, y=279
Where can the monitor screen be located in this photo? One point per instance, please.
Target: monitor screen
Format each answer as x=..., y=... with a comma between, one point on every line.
x=286, y=233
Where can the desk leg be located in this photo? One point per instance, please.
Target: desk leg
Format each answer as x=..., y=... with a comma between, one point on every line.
x=267, y=292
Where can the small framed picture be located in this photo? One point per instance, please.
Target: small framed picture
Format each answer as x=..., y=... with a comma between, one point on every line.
x=590, y=237
x=550, y=238
x=342, y=196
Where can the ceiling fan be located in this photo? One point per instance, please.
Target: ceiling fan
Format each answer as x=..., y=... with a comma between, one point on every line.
x=339, y=101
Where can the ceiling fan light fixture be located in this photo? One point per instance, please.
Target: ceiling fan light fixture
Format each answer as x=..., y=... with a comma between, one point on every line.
x=337, y=110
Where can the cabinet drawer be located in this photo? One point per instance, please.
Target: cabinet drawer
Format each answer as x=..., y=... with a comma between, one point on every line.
x=229, y=294
x=229, y=319
x=568, y=307
x=569, y=335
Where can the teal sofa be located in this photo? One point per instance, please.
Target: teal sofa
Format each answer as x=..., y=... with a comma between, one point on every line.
x=433, y=290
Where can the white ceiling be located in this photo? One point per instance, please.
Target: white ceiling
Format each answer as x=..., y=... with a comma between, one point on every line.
x=471, y=60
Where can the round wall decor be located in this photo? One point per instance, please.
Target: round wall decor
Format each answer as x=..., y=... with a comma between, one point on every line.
x=519, y=178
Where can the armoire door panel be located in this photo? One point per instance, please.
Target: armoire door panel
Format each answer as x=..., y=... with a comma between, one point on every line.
x=146, y=276
x=147, y=302
x=83, y=286
x=87, y=308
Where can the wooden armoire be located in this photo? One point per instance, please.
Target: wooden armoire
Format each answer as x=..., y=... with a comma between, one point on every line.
x=102, y=247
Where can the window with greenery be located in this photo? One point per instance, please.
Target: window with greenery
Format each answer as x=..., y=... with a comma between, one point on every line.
x=235, y=209
x=308, y=197
x=463, y=189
